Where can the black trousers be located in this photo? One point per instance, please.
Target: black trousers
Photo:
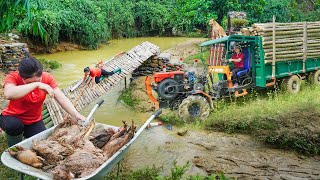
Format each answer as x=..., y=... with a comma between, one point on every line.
x=13, y=126
x=234, y=73
x=104, y=73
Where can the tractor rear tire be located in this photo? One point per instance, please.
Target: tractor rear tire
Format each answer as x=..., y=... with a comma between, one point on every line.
x=194, y=107
x=168, y=93
x=314, y=77
x=293, y=84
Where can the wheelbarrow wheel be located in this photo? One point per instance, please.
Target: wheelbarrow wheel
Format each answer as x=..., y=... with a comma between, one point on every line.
x=193, y=108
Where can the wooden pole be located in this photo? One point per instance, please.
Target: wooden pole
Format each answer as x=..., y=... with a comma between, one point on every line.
x=304, y=46
x=274, y=47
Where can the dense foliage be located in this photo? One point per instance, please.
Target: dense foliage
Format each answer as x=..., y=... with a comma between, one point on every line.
x=90, y=22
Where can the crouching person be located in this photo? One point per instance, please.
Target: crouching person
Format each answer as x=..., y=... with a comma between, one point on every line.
x=98, y=74
x=26, y=91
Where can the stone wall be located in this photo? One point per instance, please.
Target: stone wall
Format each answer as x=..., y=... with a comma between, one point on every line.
x=11, y=54
x=155, y=64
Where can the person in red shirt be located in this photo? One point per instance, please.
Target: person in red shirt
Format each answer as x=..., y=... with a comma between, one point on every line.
x=26, y=91
x=238, y=65
x=98, y=74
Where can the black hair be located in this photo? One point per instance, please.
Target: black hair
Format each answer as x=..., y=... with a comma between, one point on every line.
x=30, y=67
x=86, y=69
x=239, y=47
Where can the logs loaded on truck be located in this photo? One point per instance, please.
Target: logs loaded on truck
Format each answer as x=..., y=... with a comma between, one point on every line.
x=274, y=53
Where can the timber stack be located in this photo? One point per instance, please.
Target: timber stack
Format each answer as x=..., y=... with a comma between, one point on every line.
x=293, y=41
x=11, y=54
x=156, y=64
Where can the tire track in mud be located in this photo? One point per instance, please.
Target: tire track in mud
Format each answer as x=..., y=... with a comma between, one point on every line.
x=237, y=156
x=242, y=157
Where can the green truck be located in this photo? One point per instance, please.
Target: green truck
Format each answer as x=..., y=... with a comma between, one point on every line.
x=283, y=53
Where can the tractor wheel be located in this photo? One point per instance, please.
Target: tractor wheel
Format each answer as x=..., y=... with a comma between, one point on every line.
x=293, y=84
x=314, y=77
x=168, y=89
x=194, y=107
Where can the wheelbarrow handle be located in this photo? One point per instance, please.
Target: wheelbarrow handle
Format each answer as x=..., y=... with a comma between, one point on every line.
x=100, y=102
x=95, y=107
x=157, y=114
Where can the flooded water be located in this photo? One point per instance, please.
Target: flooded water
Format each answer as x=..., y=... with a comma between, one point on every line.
x=73, y=62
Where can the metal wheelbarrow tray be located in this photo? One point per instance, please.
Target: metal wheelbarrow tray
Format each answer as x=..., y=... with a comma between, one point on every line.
x=99, y=173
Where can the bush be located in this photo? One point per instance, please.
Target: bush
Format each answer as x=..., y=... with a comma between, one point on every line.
x=50, y=64
x=239, y=22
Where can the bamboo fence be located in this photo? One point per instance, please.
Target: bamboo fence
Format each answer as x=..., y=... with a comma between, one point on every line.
x=81, y=96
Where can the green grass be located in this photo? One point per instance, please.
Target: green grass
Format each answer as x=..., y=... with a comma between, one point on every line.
x=190, y=59
x=277, y=118
x=177, y=172
x=127, y=98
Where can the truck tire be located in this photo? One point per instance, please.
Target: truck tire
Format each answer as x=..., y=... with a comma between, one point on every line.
x=168, y=93
x=314, y=77
x=293, y=84
x=194, y=107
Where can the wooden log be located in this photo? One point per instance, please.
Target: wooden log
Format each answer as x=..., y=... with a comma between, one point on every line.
x=284, y=24
x=282, y=41
x=293, y=48
x=284, y=45
x=283, y=52
x=286, y=28
x=286, y=55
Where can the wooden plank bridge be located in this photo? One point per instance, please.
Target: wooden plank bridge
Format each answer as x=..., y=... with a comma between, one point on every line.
x=81, y=96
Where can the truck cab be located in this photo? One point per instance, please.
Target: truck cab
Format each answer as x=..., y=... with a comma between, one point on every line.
x=221, y=50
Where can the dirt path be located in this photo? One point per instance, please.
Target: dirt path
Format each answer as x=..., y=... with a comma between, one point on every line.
x=184, y=50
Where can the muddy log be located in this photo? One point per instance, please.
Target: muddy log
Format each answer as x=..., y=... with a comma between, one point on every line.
x=114, y=145
x=52, y=151
x=82, y=162
x=26, y=156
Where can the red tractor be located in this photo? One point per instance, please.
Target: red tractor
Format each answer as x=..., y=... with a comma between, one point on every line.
x=182, y=91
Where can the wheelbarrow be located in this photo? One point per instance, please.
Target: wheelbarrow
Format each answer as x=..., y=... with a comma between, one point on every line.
x=99, y=173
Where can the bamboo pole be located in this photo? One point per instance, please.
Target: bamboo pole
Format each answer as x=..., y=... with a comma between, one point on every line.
x=304, y=47
x=274, y=47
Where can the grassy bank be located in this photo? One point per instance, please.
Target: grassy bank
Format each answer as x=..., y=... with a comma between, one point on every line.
x=127, y=98
x=284, y=120
x=49, y=65
x=177, y=172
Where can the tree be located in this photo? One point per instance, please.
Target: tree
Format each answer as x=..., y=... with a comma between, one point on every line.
x=12, y=11
x=222, y=7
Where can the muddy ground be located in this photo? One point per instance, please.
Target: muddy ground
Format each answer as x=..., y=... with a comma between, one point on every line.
x=238, y=156
x=235, y=155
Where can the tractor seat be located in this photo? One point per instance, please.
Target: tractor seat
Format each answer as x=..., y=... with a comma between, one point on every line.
x=246, y=62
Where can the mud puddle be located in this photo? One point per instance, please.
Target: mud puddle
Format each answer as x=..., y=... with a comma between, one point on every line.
x=237, y=156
